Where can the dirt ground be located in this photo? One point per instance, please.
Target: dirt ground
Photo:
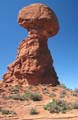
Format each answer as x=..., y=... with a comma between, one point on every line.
x=20, y=109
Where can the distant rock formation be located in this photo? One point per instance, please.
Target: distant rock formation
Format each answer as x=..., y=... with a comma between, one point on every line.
x=34, y=64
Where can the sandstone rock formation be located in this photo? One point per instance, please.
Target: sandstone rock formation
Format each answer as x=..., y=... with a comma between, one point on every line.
x=34, y=64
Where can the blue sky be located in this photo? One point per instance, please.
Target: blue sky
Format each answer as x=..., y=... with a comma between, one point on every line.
x=63, y=46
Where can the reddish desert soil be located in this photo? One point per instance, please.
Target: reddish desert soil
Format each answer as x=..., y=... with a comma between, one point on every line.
x=22, y=108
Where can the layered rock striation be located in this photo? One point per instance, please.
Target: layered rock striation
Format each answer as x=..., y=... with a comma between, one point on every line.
x=34, y=64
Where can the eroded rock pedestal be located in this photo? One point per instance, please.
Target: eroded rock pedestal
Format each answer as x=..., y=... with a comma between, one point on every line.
x=34, y=64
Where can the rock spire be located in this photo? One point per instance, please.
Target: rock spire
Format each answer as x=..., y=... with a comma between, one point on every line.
x=34, y=64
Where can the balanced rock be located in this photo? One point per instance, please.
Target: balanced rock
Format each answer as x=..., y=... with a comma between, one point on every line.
x=34, y=64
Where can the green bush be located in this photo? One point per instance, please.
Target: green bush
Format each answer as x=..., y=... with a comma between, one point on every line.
x=57, y=106
x=26, y=95
x=36, y=96
x=6, y=112
x=33, y=96
x=17, y=97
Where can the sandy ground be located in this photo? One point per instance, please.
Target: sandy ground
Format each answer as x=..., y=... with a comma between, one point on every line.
x=22, y=108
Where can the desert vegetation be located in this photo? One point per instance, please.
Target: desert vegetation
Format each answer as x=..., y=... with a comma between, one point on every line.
x=56, y=106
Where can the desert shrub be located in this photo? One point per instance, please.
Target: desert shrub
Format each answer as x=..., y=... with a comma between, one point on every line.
x=2, y=90
x=36, y=84
x=33, y=96
x=75, y=105
x=26, y=95
x=45, y=90
x=64, y=86
x=13, y=113
x=15, y=89
x=52, y=95
x=30, y=87
x=23, y=97
x=6, y=112
x=75, y=92
x=33, y=111
x=54, y=89
x=36, y=96
x=0, y=109
x=57, y=106
x=62, y=94
x=18, y=97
